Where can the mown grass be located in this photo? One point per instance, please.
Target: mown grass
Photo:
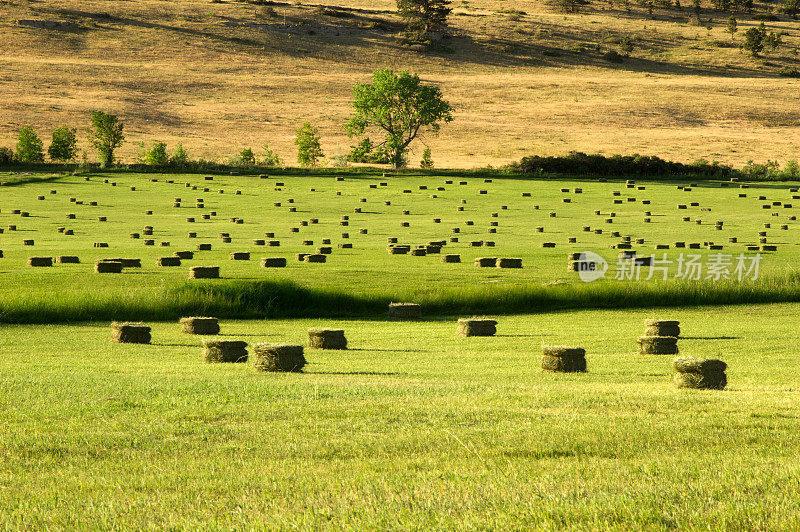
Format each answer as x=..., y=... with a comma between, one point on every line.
x=411, y=428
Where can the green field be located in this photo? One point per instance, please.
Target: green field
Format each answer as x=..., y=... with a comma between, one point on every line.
x=410, y=428
x=367, y=270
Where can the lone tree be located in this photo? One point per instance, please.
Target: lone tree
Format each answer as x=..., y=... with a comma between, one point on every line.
x=309, y=149
x=732, y=27
x=106, y=135
x=399, y=106
x=424, y=16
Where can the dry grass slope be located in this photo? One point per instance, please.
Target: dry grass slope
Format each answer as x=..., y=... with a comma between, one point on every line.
x=222, y=76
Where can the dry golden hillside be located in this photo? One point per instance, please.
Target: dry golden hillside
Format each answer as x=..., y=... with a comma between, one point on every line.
x=219, y=76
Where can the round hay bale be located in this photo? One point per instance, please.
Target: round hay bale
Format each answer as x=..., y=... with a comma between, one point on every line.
x=712, y=380
x=278, y=358
x=404, y=311
x=40, y=262
x=658, y=345
x=509, y=263
x=273, y=262
x=476, y=327
x=204, y=272
x=130, y=333
x=108, y=266
x=662, y=328
x=327, y=339
x=168, y=261
x=218, y=351
x=199, y=325
x=240, y=255
x=451, y=258
x=486, y=262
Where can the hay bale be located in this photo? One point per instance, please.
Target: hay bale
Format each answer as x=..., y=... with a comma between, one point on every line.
x=486, y=262
x=40, y=262
x=186, y=255
x=278, y=358
x=240, y=255
x=327, y=339
x=687, y=364
x=130, y=333
x=419, y=252
x=563, y=359
x=713, y=380
x=199, y=325
x=658, y=345
x=404, y=311
x=654, y=327
x=108, y=266
x=217, y=351
x=476, y=327
x=324, y=250
x=451, y=258
x=68, y=259
x=203, y=247
x=273, y=262
x=508, y=263
x=316, y=258
x=204, y=272
x=168, y=261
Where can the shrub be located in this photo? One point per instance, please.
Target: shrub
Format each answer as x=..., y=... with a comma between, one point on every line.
x=789, y=73
x=613, y=56
x=179, y=156
x=270, y=157
x=617, y=165
x=247, y=157
x=63, y=146
x=29, y=146
x=309, y=150
x=427, y=161
x=791, y=170
x=157, y=154
x=6, y=155
x=754, y=39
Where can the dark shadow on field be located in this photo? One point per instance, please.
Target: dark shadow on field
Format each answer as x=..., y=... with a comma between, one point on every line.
x=710, y=338
x=375, y=373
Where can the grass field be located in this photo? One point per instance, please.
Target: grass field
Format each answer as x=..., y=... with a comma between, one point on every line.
x=523, y=78
x=410, y=428
x=367, y=270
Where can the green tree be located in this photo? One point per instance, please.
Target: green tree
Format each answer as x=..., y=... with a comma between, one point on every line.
x=106, y=136
x=400, y=107
x=29, y=146
x=754, y=39
x=427, y=160
x=157, y=154
x=63, y=146
x=247, y=157
x=424, y=16
x=732, y=26
x=309, y=150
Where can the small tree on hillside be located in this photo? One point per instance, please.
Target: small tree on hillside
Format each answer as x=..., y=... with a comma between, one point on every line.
x=29, y=146
x=400, y=107
x=732, y=26
x=754, y=39
x=309, y=150
x=424, y=16
x=63, y=146
x=106, y=136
